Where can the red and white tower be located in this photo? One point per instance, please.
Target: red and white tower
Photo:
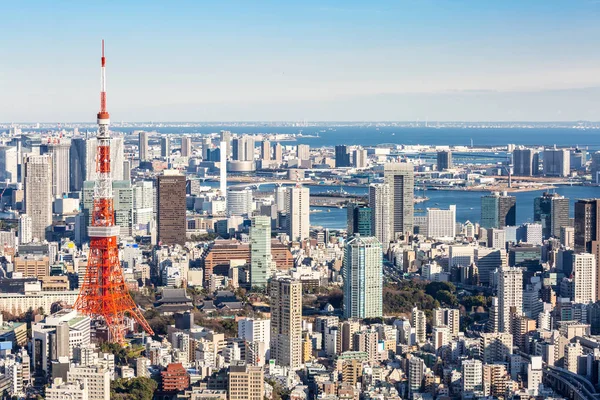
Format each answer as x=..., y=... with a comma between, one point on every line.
x=104, y=296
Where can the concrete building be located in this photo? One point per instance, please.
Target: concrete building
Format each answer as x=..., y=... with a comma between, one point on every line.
x=444, y=160
x=449, y=317
x=342, y=156
x=256, y=331
x=246, y=382
x=526, y=162
x=171, y=223
x=552, y=211
x=584, y=278
x=587, y=224
x=8, y=164
x=556, y=162
x=265, y=151
x=58, y=150
x=419, y=323
x=38, y=194
x=510, y=296
x=165, y=147
x=302, y=152
x=472, y=375
x=381, y=214
x=143, y=148
x=297, y=209
x=495, y=347
x=243, y=148
x=401, y=180
x=416, y=373
x=498, y=210
x=286, y=322
x=239, y=201
x=362, y=272
x=261, y=259
x=441, y=223
x=186, y=146
x=25, y=229
x=60, y=390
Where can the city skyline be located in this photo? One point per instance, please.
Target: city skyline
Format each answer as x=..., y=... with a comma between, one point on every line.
x=427, y=60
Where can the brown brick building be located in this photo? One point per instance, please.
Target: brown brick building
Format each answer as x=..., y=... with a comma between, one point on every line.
x=175, y=378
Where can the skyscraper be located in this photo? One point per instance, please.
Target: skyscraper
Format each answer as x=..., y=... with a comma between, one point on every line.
x=171, y=224
x=165, y=147
x=342, y=157
x=584, y=278
x=595, y=167
x=186, y=146
x=8, y=164
x=498, y=210
x=278, y=152
x=38, y=193
x=449, y=317
x=510, y=296
x=143, y=146
x=225, y=136
x=362, y=273
x=265, y=150
x=261, y=259
x=243, y=148
x=444, y=160
x=303, y=152
x=441, y=223
x=58, y=149
x=587, y=224
x=419, y=322
x=297, y=208
x=286, y=322
x=400, y=178
x=526, y=162
x=381, y=213
x=552, y=211
x=82, y=160
x=507, y=211
x=239, y=201
x=25, y=226
x=358, y=219
x=556, y=162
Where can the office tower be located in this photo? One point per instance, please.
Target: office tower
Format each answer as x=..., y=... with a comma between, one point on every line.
x=510, y=296
x=286, y=322
x=556, y=162
x=552, y=211
x=342, y=157
x=206, y=146
x=25, y=229
x=381, y=213
x=498, y=210
x=265, y=150
x=419, y=322
x=37, y=180
x=8, y=164
x=416, y=372
x=360, y=158
x=595, y=167
x=303, y=152
x=587, y=224
x=472, y=376
x=362, y=273
x=261, y=260
x=530, y=234
x=495, y=347
x=278, y=152
x=567, y=236
x=165, y=147
x=243, y=148
x=246, y=382
x=96, y=377
x=223, y=169
x=58, y=150
x=186, y=146
x=400, y=178
x=126, y=170
x=584, y=279
x=239, y=201
x=144, y=151
x=441, y=223
x=447, y=317
x=225, y=136
x=60, y=390
x=171, y=208
x=526, y=162
x=144, y=197
x=444, y=160
x=358, y=219
x=297, y=209
x=496, y=238
x=122, y=205
x=82, y=157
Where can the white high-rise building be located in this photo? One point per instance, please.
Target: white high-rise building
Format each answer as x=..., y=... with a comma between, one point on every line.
x=297, y=208
x=59, y=151
x=144, y=198
x=472, y=376
x=25, y=229
x=419, y=322
x=449, y=317
x=380, y=204
x=510, y=296
x=533, y=234
x=239, y=201
x=557, y=162
x=143, y=146
x=535, y=375
x=38, y=193
x=286, y=322
x=303, y=152
x=496, y=238
x=416, y=373
x=256, y=330
x=441, y=336
x=363, y=279
x=261, y=259
x=584, y=271
x=97, y=378
x=8, y=164
x=441, y=223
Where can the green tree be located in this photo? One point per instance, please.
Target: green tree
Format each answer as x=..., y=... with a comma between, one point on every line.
x=133, y=389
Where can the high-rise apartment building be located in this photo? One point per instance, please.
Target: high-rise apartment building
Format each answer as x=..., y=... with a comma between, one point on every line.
x=8, y=164
x=363, y=279
x=144, y=150
x=381, y=213
x=246, y=382
x=360, y=158
x=38, y=193
x=265, y=150
x=165, y=147
x=416, y=373
x=171, y=222
x=243, y=148
x=261, y=259
x=286, y=322
x=419, y=322
x=400, y=178
x=256, y=330
x=186, y=146
x=556, y=162
x=239, y=201
x=359, y=219
x=297, y=209
x=278, y=152
x=302, y=152
x=472, y=376
x=449, y=317
x=444, y=160
x=526, y=162
x=587, y=224
x=495, y=347
x=510, y=296
x=25, y=229
x=441, y=223
x=584, y=278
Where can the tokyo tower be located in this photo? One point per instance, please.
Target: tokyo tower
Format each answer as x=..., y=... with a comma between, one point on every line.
x=104, y=295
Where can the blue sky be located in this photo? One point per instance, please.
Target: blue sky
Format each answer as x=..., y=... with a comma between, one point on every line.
x=315, y=60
